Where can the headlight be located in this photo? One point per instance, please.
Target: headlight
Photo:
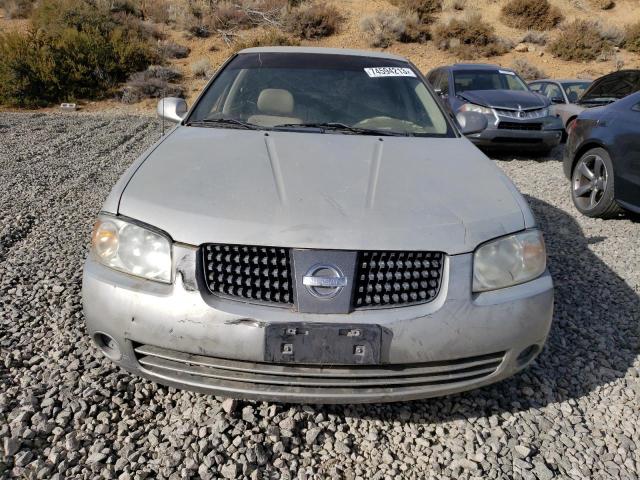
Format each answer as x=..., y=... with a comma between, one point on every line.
x=509, y=261
x=131, y=248
x=472, y=107
x=544, y=112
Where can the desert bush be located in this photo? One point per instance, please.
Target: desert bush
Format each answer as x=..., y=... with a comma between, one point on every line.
x=270, y=38
x=469, y=38
x=17, y=8
x=383, y=28
x=535, y=37
x=531, y=14
x=425, y=9
x=160, y=11
x=201, y=68
x=458, y=5
x=313, y=21
x=526, y=70
x=582, y=40
x=168, y=49
x=632, y=37
x=73, y=50
x=154, y=82
x=603, y=4
x=227, y=16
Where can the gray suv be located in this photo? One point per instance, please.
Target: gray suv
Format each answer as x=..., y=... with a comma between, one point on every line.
x=315, y=229
x=517, y=117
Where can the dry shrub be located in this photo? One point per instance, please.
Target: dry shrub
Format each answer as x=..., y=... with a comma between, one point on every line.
x=458, y=5
x=531, y=14
x=469, y=38
x=584, y=40
x=160, y=11
x=314, y=21
x=425, y=9
x=227, y=16
x=527, y=70
x=17, y=8
x=201, y=68
x=383, y=28
x=535, y=37
x=632, y=37
x=155, y=82
x=270, y=38
x=168, y=49
x=603, y=4
x=74, y=50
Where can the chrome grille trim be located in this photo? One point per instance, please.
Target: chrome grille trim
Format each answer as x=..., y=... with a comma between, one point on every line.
x=170, y=364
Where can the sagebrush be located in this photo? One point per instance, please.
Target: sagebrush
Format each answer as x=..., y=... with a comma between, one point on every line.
x=531, y=14
x=383, y=28
x=312, y=21
x=74, y=49
x=527, y=70
x=425, y=9
x=469, y=38
x=584, y=40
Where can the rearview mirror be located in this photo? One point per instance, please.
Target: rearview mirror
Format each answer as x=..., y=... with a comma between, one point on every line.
x=172, y=109
x=471, y=122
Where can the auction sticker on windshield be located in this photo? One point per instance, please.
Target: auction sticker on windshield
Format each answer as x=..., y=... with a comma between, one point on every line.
x=375, y=72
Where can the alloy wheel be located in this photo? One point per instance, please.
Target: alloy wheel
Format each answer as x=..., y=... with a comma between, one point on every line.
x=589, y=181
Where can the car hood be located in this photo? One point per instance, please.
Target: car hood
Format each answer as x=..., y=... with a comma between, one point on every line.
x=611, y=87
x=324, y=191
x=509, y=99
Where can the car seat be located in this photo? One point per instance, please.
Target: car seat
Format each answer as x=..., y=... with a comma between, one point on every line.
x=275, y=107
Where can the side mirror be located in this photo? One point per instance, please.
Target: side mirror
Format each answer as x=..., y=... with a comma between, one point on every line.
x=471, y=122
x=172, y=109
x=557, y=100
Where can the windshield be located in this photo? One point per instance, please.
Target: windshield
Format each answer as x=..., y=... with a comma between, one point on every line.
x=574, y=90
x=321, y=93
x=467, y=80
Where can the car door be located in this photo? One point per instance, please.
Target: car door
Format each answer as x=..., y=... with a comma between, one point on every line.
x=626, y=153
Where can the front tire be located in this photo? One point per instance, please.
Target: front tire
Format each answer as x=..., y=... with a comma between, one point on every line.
x=592, y=185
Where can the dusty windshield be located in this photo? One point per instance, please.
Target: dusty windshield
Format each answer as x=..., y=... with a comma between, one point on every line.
x=468, y=80
x=321, y=92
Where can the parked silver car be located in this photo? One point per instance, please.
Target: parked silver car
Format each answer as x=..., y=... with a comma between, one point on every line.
x=564, y=96
x=315, y=229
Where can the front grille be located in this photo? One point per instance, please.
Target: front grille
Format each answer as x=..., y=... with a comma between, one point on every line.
x=255, y=273
x=219, y=374
x=397, y=278
x=519, y=126
x=264, y=274
x=522, y=114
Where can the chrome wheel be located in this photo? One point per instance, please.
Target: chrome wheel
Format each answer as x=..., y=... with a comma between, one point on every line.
x=589, y=181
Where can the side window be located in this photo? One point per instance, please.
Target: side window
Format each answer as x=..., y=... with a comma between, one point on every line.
x=536, y=87
x=553, y=92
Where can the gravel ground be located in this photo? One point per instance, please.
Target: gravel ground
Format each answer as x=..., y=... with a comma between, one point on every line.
x=67, y=412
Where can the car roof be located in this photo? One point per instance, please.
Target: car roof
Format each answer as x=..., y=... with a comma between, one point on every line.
x=477, y=66
x=324, y=51
x=561, y=80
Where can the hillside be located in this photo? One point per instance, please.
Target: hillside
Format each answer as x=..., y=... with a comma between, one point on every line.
x=210, y=52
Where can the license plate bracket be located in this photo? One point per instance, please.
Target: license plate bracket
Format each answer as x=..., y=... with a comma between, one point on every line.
x=326, y=343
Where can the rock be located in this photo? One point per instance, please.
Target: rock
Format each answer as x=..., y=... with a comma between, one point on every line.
x=521, y=48
x=229, y=405
x=230, y=470
x=11, y=446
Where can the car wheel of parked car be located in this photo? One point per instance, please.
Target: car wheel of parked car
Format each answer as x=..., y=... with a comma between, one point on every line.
x=592, y=185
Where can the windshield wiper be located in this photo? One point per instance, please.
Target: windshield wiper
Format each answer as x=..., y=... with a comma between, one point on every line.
x=340, y=127
x=223, y=122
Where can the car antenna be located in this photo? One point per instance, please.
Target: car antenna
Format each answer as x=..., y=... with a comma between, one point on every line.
x=163, y=97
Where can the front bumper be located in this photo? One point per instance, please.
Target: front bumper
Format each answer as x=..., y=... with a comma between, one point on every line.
x=521, y=138
x=547, y=137
x=175, y=336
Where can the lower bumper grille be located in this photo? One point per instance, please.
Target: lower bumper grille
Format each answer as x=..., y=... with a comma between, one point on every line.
x=238, y=376
x=520, y=126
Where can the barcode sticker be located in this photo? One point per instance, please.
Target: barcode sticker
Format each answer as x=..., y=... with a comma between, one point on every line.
x=376, y=72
